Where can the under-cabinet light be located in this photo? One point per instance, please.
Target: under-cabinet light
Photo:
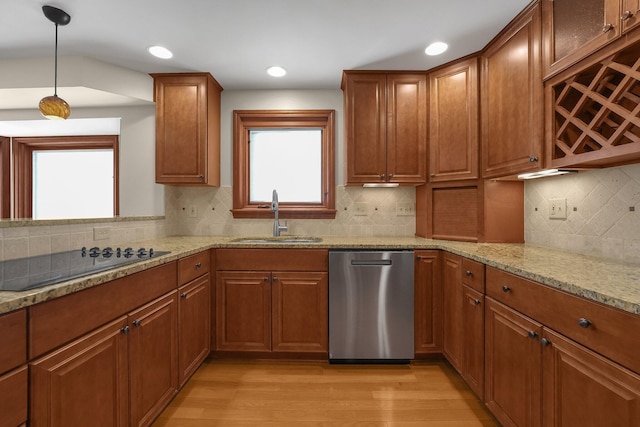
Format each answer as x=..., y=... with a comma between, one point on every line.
x=545, y=173
x=380, y=185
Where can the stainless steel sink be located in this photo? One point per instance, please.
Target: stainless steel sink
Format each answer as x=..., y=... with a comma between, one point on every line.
x=280, y=239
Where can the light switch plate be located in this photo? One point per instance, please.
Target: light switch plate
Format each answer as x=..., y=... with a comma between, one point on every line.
x=558, y=208
x=404, y=209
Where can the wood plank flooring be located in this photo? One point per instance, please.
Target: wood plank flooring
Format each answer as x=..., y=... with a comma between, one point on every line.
x=283, y=394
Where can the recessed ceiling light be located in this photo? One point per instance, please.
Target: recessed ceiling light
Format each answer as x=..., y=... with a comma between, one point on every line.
x=436, y=48
x=276, y=71
x=160, y=52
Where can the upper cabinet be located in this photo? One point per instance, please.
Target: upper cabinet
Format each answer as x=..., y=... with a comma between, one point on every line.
x=453, y=121
x=511, y=99
x=187, y=129
x=385, y=127
x=574, y=28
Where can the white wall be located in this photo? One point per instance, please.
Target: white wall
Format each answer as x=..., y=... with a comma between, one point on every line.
x=139, y=194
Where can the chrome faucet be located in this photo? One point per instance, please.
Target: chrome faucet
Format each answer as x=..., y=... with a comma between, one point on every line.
x=277, y=228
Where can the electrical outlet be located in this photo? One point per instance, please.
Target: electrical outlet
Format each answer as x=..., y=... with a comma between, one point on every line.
x=361, y=209
x=558, y=208
x=193, y=211
x=101, y=233
x=404, y=209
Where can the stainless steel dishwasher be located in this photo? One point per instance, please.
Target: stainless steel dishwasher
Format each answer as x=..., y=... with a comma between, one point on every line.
x=370, y=306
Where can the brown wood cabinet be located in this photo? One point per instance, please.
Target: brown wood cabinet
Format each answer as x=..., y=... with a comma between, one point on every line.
x=513, y=362
x=385, y=127
x=153, y=354
x=572, y=29
x=427, y=303
x=453, y=343
x=271, y=303
x=14, y=392
x=630, y=14
x=511, y=98
x=84, y=383
x=474, y=211
x=194, y=313
x=453, y=121
x=187, y=128
x=472, y=369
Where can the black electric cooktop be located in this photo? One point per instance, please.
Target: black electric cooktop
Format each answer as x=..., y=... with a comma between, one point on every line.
x=38, y=271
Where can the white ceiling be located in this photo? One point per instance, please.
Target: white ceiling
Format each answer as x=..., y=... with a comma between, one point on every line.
x=236, y=40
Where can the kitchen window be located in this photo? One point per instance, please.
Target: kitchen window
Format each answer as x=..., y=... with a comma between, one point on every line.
x=287, y=151
x=66, y=177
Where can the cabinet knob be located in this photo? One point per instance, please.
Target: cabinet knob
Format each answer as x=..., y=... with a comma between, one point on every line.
x=545, y=342
x=136, y=323
x=607, y=28
x=198, y=265
x=382, y=176
x=533, y=159
x=476, y=301
x=432, y=175
x=469, y=273
x=532, y=334
x=201, y=177
x=584, y=322
x=275, y=278
x=626, y=15
x=505, y=288
x=183, y=295
x=125, y=330
x=390, y=175
x=266, y=278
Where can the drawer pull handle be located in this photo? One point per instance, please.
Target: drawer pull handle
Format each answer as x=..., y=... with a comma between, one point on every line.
x=584, y=322
x=505, y=288
x=545, y=342
x=469, y=273
x=198, y=265
x=532, y=334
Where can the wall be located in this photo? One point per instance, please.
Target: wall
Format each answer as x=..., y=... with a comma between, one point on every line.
x=213, y=205
x=603, y=213
x=139, y=194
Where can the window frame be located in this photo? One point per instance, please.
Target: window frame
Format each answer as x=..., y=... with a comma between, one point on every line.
x=23, y=148
x=243, y=122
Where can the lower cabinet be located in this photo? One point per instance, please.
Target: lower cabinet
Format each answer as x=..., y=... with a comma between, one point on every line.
x=452, y=297
x=538, y=377
x=122, y=374
x=272, y=312
x=14, y=392
x=427, y=303
x=194, y=326
x=473, y=338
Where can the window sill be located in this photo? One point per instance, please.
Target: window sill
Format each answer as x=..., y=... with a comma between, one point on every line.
x=285, y=213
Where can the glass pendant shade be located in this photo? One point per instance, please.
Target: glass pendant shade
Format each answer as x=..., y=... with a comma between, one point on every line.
x=55, y=108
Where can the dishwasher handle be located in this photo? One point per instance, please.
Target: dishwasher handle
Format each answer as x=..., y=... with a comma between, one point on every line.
x=370, y=262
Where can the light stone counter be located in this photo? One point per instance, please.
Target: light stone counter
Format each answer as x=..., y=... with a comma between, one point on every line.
x=606, y=281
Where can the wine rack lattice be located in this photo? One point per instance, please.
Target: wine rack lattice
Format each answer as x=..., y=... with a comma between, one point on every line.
x=597, y=111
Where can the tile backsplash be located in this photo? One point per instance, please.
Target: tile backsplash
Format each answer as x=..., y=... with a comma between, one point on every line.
x=603, y=212
x=213, y=216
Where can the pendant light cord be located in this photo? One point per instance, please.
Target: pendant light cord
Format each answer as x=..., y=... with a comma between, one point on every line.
x=55, y=73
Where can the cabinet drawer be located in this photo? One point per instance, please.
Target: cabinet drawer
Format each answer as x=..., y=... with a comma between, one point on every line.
x=61, y=320
x=606, y=330
x=473, y=274
x=13, y=405
x=193, y=266
x=272, y=259
x=13, y=330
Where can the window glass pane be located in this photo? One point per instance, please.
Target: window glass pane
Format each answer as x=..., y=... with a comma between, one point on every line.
x=287, y=160
x=72, y=184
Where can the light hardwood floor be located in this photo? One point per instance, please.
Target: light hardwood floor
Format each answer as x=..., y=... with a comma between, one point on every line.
x=284, y=394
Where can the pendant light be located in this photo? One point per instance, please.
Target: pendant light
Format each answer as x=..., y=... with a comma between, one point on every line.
x=54, y=107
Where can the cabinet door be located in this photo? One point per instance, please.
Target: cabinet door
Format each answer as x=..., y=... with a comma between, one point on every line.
x=575, y=28
x=243, y=311
x=365, y=101
x=630, y=14
x=194, y=331
x=512, y=366
x=84, y=383
x=153, y=363
x=300, y=312
x=453, y=122
x=427, y=303
x=406, y=128
x=473, y=339
x=582, y=388
x=187, y=128
x=511, y=93
x=13, y=405
x=452, y=296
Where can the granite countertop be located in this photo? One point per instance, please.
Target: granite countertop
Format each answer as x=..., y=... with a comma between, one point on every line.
x=610, y=282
